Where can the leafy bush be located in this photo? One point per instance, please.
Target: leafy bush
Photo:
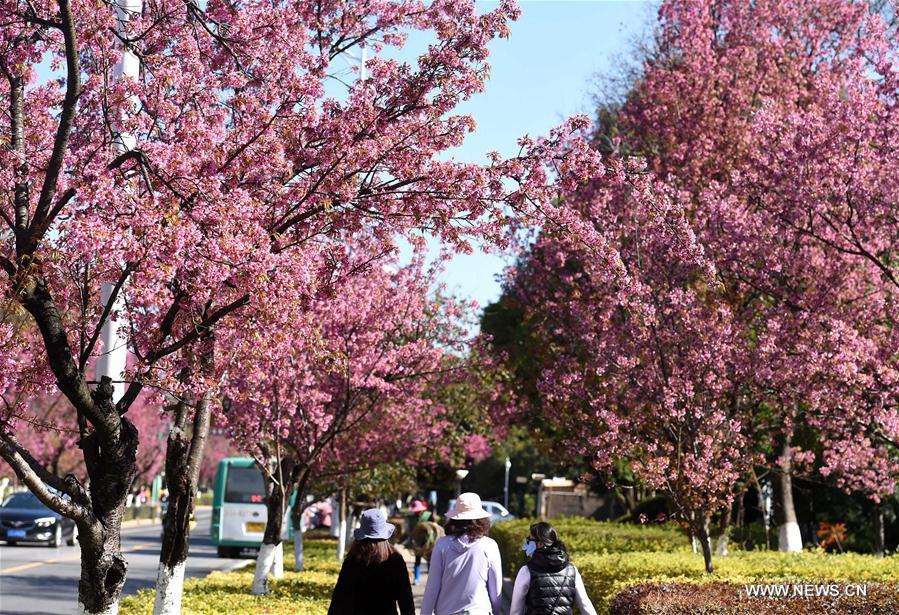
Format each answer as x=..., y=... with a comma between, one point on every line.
x=585, y=536
x=607, y=575
x=731, y=599
x=307, y=592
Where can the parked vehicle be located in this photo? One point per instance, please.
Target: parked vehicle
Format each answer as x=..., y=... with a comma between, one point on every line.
x=238, y=507
x=24, y=518
x=497, y=511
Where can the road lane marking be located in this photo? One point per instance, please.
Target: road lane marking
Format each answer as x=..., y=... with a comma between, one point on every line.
x=60, y=560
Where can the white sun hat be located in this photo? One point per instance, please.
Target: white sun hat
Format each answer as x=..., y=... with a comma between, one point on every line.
x=467, y=507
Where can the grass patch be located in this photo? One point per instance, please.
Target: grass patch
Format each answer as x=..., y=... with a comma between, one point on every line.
x=307, y=592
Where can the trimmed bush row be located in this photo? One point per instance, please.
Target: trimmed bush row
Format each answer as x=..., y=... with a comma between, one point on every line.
x=307, y=592
x=606, y=575
x=585, y=536
x=732, y=599
x=614, y=558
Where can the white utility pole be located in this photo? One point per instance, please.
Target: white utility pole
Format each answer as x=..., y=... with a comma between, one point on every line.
x=112, y=361
x=506, y=484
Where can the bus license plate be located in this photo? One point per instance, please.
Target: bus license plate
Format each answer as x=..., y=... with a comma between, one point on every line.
x=255, y=527
x=15, y=533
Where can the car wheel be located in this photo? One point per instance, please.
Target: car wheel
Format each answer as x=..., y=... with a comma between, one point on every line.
x=71, y=541
x=56, y=541
x=11, y=543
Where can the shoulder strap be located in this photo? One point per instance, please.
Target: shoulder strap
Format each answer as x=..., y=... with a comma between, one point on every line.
x=561, y=589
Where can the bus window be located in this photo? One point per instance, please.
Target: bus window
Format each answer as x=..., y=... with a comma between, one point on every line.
x=244, y=486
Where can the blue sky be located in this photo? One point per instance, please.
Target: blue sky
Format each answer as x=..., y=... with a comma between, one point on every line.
x=541, y=74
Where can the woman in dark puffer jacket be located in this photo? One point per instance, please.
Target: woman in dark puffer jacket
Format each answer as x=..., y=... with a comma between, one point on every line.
x=549, y=584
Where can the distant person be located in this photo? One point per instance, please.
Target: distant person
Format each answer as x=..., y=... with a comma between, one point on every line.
x=425, y=535
x=374, y=579
x=465, y=574
x=548, y=584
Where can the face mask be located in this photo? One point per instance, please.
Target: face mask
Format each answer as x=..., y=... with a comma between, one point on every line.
x=529, y=547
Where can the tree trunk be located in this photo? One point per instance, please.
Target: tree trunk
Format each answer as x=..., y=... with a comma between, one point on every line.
x=301, y=475
x=108, y=441
x=296, y=516
x=789, y=537
x=724, y=531
x=701, y=527
x=111, y=467
x=878, y=531
x=342, y=527
x=278, y=487
x=182, y=470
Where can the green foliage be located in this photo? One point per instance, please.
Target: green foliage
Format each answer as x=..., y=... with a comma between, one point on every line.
x=587, y=537
x=307, y=592
x=731, y=599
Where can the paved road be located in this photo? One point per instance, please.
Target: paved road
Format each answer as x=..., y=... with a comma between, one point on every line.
x=39, y=580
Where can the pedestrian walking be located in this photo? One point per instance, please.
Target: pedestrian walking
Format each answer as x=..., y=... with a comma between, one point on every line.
x=549, y=584
x=425, y=535
x=465, y=572
x=374, y=579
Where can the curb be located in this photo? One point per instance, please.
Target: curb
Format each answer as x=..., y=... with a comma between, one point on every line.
x=238, y=565
x=139, y=522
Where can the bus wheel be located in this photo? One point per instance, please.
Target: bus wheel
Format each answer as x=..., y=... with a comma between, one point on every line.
x=225, y=551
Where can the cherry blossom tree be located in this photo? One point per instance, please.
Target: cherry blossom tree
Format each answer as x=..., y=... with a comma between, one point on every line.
x=656, y=376
x=780, y=123
x=350, y=396
x=221, y=169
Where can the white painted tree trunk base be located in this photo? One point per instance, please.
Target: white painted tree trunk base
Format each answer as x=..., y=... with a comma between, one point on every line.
x=169, y=587
x=721, y=545
x=112, y=610
x=278, y=563
x=299, y=561
x=789, y=538
x=264, y=562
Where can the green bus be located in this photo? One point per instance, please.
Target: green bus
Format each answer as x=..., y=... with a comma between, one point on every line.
x=238, y=507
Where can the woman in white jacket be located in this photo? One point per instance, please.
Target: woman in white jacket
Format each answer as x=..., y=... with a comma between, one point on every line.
x=465, y=574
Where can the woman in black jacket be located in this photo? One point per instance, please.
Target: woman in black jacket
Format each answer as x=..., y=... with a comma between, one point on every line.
x=373, y=579
x=548, y=584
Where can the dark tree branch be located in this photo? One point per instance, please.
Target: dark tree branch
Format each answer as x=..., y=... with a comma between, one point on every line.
x=203, y=328
x=66, y=119
x=37, y=481
x=86, y=353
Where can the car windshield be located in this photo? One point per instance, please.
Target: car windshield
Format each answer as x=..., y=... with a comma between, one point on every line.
x=23, y=500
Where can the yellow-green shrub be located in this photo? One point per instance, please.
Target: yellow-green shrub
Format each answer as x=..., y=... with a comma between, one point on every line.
x=307, y=592
x=585, y=536
x=606, y=575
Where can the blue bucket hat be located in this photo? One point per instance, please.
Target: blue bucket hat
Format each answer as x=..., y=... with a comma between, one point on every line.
x=373, y=525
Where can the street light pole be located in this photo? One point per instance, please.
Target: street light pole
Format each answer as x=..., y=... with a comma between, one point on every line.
x=506, y=484
x=112, y=362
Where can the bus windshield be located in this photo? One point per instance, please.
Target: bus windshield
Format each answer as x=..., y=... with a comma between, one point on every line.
x=244, y=486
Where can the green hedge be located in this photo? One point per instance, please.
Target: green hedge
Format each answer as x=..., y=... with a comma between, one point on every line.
x=615, y=557
x=585, y=536
x=307, y=592
x=732, y=599
x=607, y=575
